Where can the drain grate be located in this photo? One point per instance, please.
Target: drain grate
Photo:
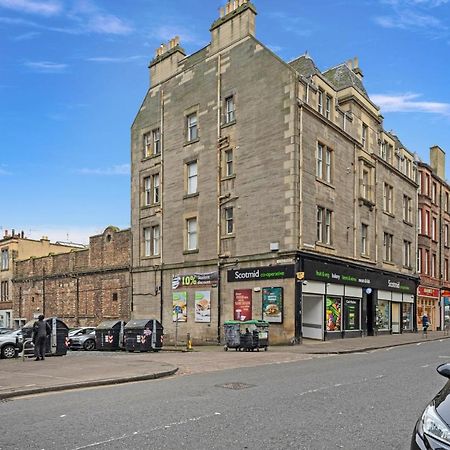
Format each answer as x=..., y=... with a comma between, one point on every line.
x=235, y=386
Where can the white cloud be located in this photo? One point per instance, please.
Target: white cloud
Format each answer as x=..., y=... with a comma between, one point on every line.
x=26, y=36
x=107, y=24
x=408, y=103
x=122, y=169
x=46, y=66
x=409, y=20
x=44, y=8
x=166, y=32
x=109, y=59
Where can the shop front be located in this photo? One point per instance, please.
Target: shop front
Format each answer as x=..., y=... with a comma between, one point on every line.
x=445, y=305
x=340, y=300
x=428, y=302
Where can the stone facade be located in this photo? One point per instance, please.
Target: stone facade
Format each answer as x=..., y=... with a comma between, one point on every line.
x=244, y=127
x=82, y=287
x=15, y=246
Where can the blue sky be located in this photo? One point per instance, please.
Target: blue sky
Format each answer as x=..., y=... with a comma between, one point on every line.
x=73, y=74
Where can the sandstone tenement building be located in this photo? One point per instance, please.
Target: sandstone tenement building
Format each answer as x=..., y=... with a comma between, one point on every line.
x=268, y=189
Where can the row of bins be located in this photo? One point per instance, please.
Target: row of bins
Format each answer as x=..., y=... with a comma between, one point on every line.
x=138, y=335
x=141, y=335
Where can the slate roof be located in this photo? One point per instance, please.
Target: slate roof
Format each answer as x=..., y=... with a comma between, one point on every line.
x=343, y=77
x=305, y=66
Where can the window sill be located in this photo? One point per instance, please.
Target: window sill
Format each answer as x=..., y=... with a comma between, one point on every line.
x=407, y=267
x=186, y=196
x=154, y=205
x=323, y=245
x=228, y=236
x=151, y=257
x=365, y=256
x=187, y=143
x=326, y=183
x=389, y=214
x=366, y=202
x=406, y=222
x=228, y=124
x=228, y=177
x=389, y=263
x=149, y=157
x=190, y=252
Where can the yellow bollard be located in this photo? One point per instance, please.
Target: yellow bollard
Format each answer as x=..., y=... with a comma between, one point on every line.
x=188, y=342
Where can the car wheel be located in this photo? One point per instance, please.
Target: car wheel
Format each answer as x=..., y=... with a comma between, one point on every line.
x=89, y=345
x=8, y=351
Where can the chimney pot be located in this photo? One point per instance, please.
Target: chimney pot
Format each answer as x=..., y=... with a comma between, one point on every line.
x=355, y=62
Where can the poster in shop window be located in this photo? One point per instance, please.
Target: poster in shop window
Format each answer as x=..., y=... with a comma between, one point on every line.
x=333, y=314
x=351, y=314
x=272, y=304
x=179, y=310
x=243, y=304
x=203, y=306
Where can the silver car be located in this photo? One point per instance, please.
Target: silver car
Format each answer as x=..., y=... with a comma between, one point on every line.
x=11, y=344
x=82, y=339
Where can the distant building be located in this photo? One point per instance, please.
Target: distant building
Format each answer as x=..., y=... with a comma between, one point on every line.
x=433, y=296
x=266, y=189
x=15, y=246
x=81, y=287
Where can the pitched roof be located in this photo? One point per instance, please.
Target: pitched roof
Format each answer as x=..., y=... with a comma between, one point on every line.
x=305, y=66
x=343, y=77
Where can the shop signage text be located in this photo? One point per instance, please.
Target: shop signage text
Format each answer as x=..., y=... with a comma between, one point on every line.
x=261, y=273
x=428, y=292
x=334, y=273
x=195, y=279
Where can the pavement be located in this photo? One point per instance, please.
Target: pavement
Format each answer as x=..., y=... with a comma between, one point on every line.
x=88, y=369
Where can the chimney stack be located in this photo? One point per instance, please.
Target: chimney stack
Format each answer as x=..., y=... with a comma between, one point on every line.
x=437, y=161
x=236, y=21
x=165, y=63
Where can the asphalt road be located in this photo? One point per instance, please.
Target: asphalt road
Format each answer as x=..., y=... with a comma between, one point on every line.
x=357, y=401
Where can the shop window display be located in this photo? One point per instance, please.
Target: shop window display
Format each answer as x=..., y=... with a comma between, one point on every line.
x=407, y=319
x=383, y=315
x=333, y=314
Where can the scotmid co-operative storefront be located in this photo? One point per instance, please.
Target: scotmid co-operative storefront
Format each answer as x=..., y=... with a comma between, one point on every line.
x=341, y=300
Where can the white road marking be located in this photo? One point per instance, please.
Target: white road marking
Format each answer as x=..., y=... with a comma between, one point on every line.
x=426, y=365
x=419, y=343
x=161, y=427
x=63, y=415
x=444, y=357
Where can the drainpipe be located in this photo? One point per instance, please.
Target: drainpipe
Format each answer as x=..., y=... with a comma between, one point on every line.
x=161, y=235
x=219, y=173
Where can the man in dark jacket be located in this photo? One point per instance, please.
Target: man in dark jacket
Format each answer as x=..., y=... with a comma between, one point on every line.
x=41, y=330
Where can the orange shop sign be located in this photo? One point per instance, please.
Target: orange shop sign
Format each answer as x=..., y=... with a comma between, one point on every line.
x=427, y=292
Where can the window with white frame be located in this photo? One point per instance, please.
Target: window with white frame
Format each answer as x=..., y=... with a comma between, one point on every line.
x=4, y=294
x=5, y=259
x=324, y=162
x=365, y=184
x=147, y=241
x=192, y=177
x=426, y=225
x=364, y=241
x=156, y=188
x=426, y=263
x=426, y=187
x=446, y=269
x=419, y=221
x=446, y=234
x=433, y=192
x=365, y=129
x=434, y=228
x=230, y=110
x=229, y=220
x=147, y=145
x=324, y=217
x=156, y=238
x=320, y=101
x=446, y=202
x=191, y=234
x=229, y=169
x=388, y=195
x=433, y=265
x=327, y=106
x=408, y=167
x=383, y=150
x=156, y=137
x=147, y=191
x=192, y=127
x=387, y=243
x=407, y=209
x=419, y=261
x=407, y=254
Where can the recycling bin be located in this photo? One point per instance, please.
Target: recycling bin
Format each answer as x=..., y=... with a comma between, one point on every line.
x=57, y=341
x=109, y=335
x=143, y=335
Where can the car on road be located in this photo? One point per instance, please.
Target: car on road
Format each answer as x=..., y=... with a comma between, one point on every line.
x=11, y=344
x=432, y=430
x=82, y=339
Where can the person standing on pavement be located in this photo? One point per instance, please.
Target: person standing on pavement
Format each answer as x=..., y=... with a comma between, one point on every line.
x=425, y=324
x=41, y=330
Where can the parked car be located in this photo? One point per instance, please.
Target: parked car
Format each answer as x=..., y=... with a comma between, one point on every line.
x=432, y=430
x=11, y=343
x=4, y=330
x=82, y=339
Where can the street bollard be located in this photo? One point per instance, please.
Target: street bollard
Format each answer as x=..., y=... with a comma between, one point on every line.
x=188, y=342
